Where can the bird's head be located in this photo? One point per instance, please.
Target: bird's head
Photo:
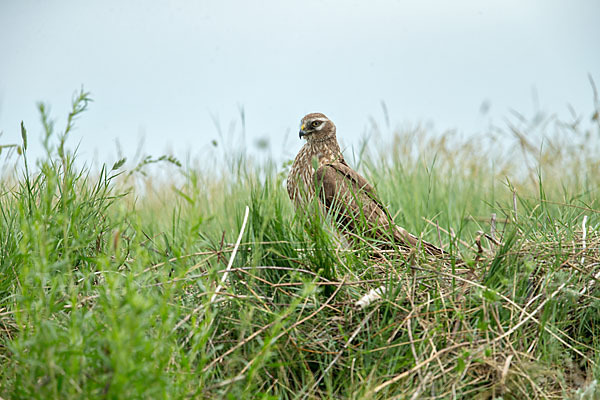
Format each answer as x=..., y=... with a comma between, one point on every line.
x=316, y=127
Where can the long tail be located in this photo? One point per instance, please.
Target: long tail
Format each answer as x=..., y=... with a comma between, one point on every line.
x=403, y=236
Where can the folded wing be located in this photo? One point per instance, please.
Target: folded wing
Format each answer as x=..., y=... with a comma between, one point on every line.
x=353, y=204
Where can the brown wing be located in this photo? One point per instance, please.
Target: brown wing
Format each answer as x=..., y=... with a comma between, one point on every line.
x=354, y=204
x=350, y=199
x=350, y=180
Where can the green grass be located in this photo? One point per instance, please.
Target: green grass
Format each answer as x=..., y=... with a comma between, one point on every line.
x=108, y=279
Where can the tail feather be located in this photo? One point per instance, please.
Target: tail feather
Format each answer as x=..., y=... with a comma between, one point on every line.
x=403, y=236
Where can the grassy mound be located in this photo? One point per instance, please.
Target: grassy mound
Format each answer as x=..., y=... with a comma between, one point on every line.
x=207, y=285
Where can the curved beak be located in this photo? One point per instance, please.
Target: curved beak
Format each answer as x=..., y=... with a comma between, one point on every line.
x=302, y=132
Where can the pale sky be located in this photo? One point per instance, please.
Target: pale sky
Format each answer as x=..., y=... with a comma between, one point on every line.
x=166, y=70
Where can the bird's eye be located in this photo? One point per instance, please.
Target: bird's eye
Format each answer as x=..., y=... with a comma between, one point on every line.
x=314, y=124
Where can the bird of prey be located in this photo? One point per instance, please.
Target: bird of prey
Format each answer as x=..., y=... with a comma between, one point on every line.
x=320, y=169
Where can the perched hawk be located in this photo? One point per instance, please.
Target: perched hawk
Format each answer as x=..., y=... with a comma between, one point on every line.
x=320, y=168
